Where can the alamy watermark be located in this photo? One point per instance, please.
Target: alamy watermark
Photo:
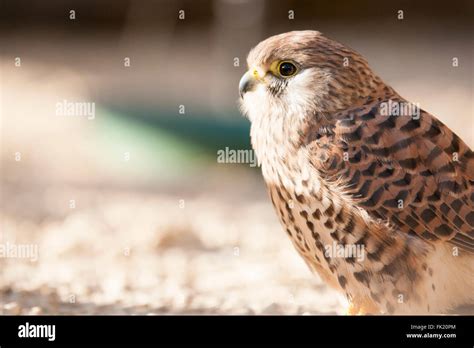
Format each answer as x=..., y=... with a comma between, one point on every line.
x=71, y=108
x=19, y=251
x=228, y=155
x=352, y=251
x=400, y=108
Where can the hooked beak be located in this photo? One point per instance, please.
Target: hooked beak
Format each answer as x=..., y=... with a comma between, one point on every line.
x=247, y=83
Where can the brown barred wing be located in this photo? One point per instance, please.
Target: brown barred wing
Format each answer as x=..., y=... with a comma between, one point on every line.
x=411, y=171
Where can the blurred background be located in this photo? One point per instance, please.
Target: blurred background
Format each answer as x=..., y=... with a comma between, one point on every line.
x=128, y=208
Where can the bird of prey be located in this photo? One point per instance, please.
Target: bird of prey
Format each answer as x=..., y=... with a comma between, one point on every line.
x=378, y=200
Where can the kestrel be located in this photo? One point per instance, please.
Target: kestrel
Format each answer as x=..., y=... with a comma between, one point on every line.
x=349, y=162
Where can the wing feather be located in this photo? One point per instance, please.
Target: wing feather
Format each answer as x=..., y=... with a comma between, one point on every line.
x=414, y=173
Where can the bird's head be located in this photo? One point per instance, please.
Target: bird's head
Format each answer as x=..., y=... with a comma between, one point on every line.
x=303, y=73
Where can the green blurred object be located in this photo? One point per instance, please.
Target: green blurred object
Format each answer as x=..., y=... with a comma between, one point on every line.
x=207, y=130
x=160, y=142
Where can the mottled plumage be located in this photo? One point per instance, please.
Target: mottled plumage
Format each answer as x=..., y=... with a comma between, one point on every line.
x=341, y=171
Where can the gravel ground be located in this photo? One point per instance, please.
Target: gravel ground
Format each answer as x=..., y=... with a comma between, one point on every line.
x=131, y=253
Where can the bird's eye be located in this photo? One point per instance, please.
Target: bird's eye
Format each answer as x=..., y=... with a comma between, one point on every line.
x=287, y=69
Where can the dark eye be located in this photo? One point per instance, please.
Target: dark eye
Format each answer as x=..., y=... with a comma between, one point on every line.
x=287, y=69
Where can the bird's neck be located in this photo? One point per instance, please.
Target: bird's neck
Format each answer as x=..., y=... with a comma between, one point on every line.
x=275, y=141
